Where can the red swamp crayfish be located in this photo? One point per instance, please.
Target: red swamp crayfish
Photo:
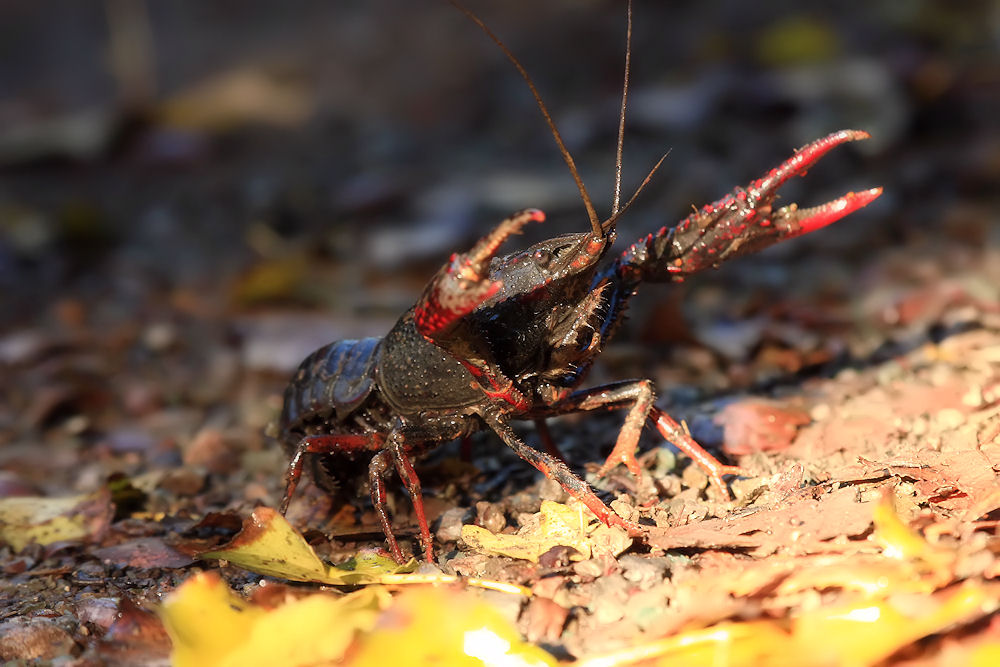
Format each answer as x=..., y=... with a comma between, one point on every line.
x=494, y=339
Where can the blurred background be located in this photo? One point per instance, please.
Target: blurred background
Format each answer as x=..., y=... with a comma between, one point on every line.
x=195, y=195
x=205, y=190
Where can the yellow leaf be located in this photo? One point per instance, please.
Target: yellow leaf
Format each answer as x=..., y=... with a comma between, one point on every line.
x=571, y=526
x=479, y=539
x=567, y=526
x=368, y=567
x=796, y=40
x=238, y=97
x=29, y=519
x=862, y=632
x=439, y=626
x=899, y=541
x=270, y=280
x=873, y=575
x=211, y=626
x=986, y=655
x=269, y=545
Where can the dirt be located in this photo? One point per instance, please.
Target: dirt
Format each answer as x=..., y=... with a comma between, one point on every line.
x=160, y=286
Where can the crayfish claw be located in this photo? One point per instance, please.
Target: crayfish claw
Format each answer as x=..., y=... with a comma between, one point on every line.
x=794, y=221
x=463, y=283
x=804, y=158
x=485, y=249
x=791, y=220
x=744, y=221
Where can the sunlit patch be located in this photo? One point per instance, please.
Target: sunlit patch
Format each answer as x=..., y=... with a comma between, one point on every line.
x=488, y=647
x=861, y=615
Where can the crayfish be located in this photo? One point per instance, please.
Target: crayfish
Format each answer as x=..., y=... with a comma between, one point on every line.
x=493, y=339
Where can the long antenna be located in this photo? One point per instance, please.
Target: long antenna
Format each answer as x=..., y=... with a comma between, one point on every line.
x=621, y=117
x=595, y=222
x=610, y=222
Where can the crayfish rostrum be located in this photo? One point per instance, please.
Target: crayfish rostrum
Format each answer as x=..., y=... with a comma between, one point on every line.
x=494, y=339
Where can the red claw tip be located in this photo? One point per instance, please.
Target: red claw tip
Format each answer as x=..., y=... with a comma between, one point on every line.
x=821, y=216
x=841, y=136
x=537, y=215
x=857, y=200
x=871, y=194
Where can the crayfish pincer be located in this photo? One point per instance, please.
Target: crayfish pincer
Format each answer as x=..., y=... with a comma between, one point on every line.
x=493, y=339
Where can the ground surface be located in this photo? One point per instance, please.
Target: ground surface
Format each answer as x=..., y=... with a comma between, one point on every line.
x=171, y=245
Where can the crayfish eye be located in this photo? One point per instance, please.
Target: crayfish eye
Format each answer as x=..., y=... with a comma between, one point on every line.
x=542, y=257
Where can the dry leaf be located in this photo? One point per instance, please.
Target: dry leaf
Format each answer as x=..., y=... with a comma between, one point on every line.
x=571, y=526
x=269, y=545
x=31, y=519
x=239, y=97
x=210, y=625
x=860, y=632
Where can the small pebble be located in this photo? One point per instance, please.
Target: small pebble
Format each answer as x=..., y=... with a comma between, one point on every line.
x=450, y=528
x=209, y=449
x=820, y=412
x=160, y=337
x=974, y=397
x=950, y=418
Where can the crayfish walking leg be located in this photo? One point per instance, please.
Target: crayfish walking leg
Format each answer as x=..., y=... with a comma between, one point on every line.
x=409, y=476
x=389, y=452
x=556, y=470
x=377, y=470
x=638, y=396
x=322, y=444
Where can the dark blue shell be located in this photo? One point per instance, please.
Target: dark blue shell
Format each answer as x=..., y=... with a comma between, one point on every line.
x=332, y=381
x=351, y=364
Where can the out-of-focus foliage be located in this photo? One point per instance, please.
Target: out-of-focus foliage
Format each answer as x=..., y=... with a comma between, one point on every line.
x=210, y=625
x=28, y=519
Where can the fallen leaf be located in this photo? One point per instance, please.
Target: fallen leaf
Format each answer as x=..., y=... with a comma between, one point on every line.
x=985, y=655
x=31, y=519
x=559, y=525
x=271, y=280
x=899, y=541
x=756, y=425
x=137, y=636
x=434, y=626
x=800, y=524
x=269, y=545
x=33, y=640
x=863, y=631
x=210, y=625
x=144, y=553
x=968, y=473
x=239, y=97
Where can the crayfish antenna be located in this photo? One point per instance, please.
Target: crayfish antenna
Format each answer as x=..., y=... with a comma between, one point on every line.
x=621, y=119
x=610, y=222
x=616, y=210
x=595, y=222
x=599, y=228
